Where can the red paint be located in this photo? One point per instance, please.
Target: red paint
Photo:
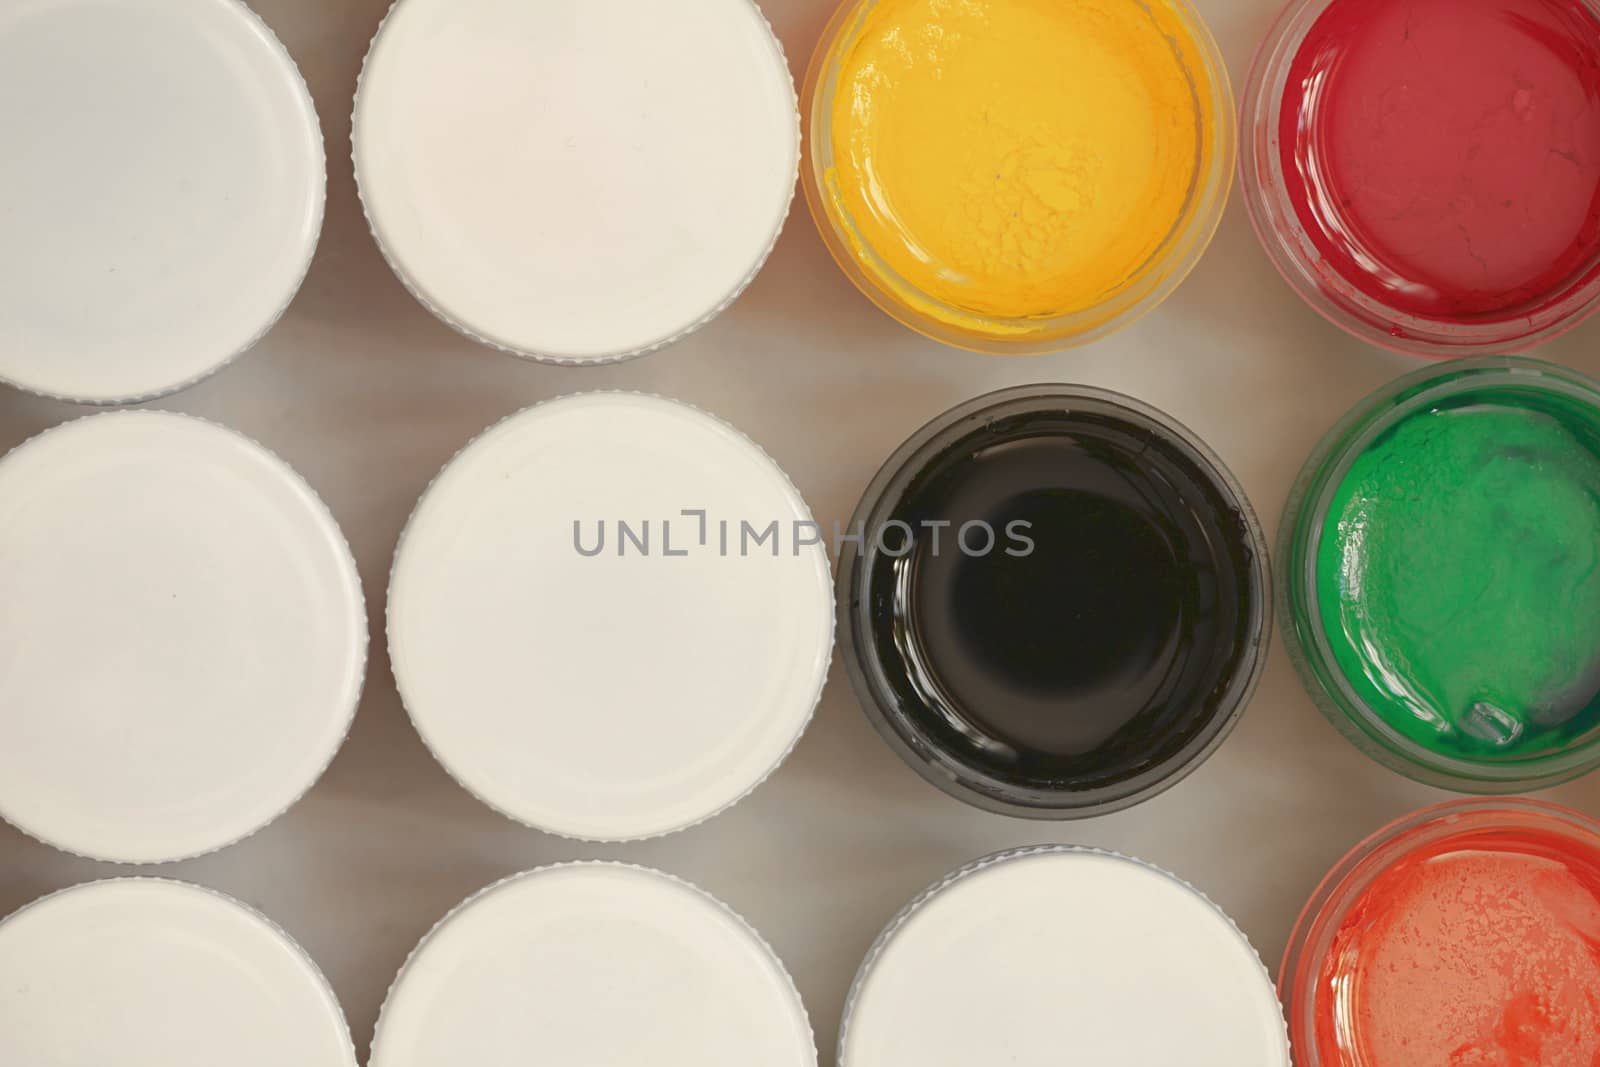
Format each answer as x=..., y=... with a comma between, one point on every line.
x=1444, y=155
x=1480, y=950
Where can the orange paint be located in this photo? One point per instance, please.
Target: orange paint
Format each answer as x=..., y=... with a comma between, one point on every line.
x=1478, y=950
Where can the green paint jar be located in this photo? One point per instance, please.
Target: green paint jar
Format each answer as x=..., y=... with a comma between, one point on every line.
x=1439, y=575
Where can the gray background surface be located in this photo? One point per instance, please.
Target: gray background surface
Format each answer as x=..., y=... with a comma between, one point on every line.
x=367, y=396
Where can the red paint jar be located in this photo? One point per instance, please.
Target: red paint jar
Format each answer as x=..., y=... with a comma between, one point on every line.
x=1468, y=933
x=1426, y=173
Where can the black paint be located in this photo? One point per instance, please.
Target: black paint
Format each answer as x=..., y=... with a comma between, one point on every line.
x=1102, y=663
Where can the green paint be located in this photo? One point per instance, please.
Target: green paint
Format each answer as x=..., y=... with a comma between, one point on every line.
x=1458, y=578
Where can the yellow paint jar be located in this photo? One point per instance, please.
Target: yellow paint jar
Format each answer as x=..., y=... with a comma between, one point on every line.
x=1017, y=176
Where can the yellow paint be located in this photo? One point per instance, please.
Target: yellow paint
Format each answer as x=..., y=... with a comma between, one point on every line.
x=1003, y=160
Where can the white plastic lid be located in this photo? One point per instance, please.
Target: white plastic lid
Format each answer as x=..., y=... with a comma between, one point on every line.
x=1058, y=955
x=148, y=973
x=595, y=964
x=576, y=180
x=629, y=693
x=184, y=637
x=163, y=183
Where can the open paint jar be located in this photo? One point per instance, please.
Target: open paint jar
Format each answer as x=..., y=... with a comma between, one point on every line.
x=577, y=181
x=1426, y=173
x=163, y=183
x=611, y=616
x=1464, y=934
x=1062, y=955
x=142, y=972
x=1440, y=561
x=188, y=637
x=593, y=963
x=1056, y=601
x=1016, y=177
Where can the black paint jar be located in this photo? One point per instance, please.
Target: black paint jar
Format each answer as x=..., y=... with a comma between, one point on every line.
x=1056, y=603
